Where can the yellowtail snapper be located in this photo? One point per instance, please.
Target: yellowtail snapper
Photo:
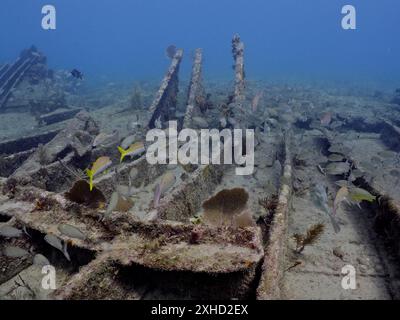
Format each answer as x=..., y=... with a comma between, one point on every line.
x=100, y=165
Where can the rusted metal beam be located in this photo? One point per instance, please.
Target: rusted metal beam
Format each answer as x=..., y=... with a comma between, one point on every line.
x=3, y=69
x=238, y=56
x=11, y=77
x=26, y=143
x=164, y=105
x=235, y=114
x=196, y=94
x=42, y=169
x=272, y=268
x=57, y=116
x=10, y=163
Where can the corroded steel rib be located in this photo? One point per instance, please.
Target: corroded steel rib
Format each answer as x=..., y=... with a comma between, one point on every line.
x=235, y=102
x=238, y=56
x=196, y=90
x=13, y=76
x=164, y=104
x=3, y=70
x=8, y=70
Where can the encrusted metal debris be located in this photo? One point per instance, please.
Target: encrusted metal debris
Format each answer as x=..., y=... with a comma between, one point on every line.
x=11, y=75
x=238, y=55
x=132, y=230
x=164, y=105
x=196, y=97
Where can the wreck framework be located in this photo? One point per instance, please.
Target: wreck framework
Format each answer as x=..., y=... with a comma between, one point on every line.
x=162, y=245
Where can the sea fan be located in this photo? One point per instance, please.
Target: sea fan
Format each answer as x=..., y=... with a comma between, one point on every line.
x=269, y=203
x=245, y=219
x=80, y=193
x=228, y=207
x=312, y=235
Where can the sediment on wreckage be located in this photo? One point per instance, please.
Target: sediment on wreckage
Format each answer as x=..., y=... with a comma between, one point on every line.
x=70, y=145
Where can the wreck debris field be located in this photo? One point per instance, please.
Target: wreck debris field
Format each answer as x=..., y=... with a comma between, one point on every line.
x=78, y=192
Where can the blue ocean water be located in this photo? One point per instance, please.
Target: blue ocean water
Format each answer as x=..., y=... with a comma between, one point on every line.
x=285, y=39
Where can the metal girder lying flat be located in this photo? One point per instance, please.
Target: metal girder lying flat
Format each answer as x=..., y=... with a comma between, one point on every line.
x=42, y=169
x=391, y=136
x=58, y=116
x=13, y=153
x=9, y=163
x=272, y=268
x=123, y=241
x=159, y=245
x=196, y=90
x=225, y=259
x=27, y=142
x=164, y=105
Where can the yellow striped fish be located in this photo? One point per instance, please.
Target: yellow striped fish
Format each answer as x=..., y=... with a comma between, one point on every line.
x=98, y=166
x=133, y=150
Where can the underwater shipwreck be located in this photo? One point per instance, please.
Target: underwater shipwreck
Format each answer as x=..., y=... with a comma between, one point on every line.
x=210, y=234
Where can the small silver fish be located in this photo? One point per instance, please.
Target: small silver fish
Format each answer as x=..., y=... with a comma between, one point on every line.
x=57, y=243
x=366, y=166
x=342, y=183
x=387, y=154
x=71, y=231
x=133, y=173
x=113, y=204
x=200, y=122
x=40, y=260
x=335, y=157
x=337, y=148
x=167, y=181
x=104, y=138
x=337, y=168
x=10, y=232
x=124, y=191
x=320, y=199
x=134, y=125
x=357, y=173
x=129, y=140
x=14, y=252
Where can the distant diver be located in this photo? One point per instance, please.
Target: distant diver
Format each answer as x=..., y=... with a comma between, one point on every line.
x=77, y=74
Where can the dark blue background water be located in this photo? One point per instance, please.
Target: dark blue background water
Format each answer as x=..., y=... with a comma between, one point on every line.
x=285, y=39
